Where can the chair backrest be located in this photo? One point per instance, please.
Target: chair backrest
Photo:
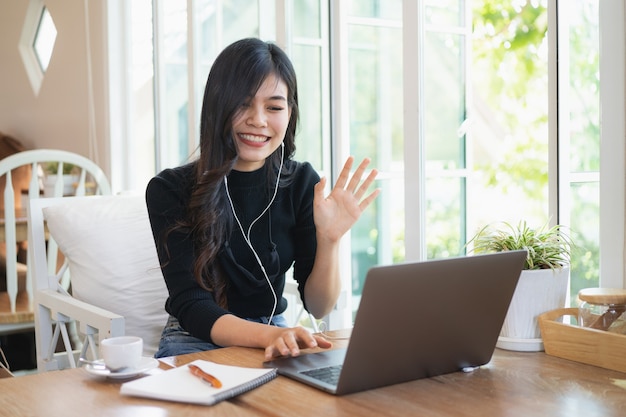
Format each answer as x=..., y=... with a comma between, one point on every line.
x=21, y=177
x=117, y=284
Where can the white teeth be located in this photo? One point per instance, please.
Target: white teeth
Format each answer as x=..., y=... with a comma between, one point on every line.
x=253, y=138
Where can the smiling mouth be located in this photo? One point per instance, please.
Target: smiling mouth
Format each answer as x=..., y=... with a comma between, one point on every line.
x=253, y=138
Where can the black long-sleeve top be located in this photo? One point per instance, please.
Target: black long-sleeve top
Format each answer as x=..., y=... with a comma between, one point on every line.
x=282, y=237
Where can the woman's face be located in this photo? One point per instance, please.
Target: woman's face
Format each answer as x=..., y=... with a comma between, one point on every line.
x=259, y=126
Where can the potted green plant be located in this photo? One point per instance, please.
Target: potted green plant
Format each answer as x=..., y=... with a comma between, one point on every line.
x=69, y=177
x=52, y=168
x=543, y=283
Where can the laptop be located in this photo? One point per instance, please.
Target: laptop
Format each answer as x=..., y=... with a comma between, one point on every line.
x=416, y=320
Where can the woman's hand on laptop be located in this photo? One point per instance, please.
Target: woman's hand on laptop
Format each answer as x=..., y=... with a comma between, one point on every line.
x=289, y=341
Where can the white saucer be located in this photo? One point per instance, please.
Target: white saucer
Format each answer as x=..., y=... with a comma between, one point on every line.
x=145, y=364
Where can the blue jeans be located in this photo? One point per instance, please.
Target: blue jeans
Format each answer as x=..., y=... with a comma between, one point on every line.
x=177, y=341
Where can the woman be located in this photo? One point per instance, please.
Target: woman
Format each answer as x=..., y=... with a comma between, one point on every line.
x=230, y=224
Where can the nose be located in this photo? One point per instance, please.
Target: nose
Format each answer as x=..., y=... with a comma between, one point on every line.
x=256, y=117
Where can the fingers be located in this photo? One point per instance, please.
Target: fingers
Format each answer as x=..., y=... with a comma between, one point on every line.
x=345, y=173
x=368, y=200
x=283, y=346
x=356, y=178
x=355, y=186
x=335, y=214
x=322, y=341
x=319, y=189
x=290, y=341
x=366, y=184
x=364, y=187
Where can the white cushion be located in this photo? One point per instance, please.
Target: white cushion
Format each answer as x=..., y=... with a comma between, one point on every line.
x=113, y=261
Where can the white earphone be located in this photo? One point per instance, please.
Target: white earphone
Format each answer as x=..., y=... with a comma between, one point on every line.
x=246, y=236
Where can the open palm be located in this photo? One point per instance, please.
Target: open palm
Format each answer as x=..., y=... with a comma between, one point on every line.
x=335, y=214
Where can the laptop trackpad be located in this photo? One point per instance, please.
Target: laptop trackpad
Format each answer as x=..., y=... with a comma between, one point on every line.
x=308, y=361
x=302, y=367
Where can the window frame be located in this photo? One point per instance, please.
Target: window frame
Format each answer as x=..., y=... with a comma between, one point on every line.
x=126, y=174
x=612, y=143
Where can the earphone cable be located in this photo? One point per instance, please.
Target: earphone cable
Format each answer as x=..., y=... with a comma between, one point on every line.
x=246, y=237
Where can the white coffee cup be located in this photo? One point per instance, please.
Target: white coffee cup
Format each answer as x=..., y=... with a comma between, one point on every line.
x=121, y=352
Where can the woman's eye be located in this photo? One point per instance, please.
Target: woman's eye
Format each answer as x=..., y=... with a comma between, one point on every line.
x=276, y=108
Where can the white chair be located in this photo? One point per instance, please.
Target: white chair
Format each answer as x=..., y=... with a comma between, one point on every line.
x=296, y=314
x=21, y=181
x=117, y=284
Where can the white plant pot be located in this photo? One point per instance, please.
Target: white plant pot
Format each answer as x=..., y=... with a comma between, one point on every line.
x=69, y=182
x=537, y=291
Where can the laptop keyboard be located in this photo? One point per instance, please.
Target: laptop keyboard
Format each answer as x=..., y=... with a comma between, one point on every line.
x=328, y=374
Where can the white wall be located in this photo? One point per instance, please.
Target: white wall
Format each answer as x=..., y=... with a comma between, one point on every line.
x=59, y=116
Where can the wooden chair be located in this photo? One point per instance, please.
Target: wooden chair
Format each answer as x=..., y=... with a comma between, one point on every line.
x=21, y=176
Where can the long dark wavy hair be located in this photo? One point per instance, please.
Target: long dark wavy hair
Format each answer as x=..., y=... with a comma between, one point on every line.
x=235, y=77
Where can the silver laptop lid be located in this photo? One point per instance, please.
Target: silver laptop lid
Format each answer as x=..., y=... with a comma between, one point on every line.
x=418, y=320
x=422, y=319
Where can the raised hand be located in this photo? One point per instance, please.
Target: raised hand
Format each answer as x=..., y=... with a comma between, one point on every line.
x=334, y=215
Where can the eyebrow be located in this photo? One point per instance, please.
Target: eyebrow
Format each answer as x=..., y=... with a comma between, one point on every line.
x=277, y=98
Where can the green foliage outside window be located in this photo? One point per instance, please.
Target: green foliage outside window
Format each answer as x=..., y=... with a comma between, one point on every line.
x=509, y=47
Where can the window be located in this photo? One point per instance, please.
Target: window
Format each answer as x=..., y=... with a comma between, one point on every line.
x=37, y=41
x=373, y=32
x=44, y=39
x=455, y=101
x=579, y=137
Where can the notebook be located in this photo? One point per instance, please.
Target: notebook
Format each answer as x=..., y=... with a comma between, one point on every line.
x=181, y=385
x=417, y=320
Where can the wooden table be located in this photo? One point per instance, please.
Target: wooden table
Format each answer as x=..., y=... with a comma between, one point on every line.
x=512, y=384
x=21, y=226
x=24, y=316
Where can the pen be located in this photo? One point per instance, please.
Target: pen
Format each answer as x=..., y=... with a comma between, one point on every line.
x=195, y=370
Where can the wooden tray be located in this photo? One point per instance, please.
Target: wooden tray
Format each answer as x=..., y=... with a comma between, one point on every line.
x=580, y=344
